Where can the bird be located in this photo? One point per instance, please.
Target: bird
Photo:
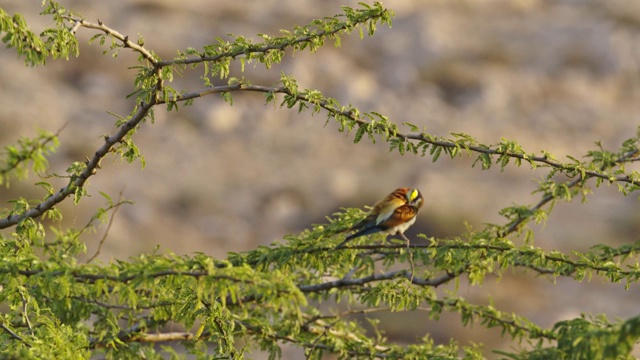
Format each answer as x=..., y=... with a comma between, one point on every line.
x=392, y=215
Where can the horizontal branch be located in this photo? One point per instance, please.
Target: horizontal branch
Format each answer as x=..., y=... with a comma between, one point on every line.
x=376, y=277
x=573, y=265
x=162, y=337
x=418, y=137
x=122, y=307
x=481, y=149
x=349, y=282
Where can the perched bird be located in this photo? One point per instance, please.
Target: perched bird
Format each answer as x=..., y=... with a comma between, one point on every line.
x=392, y=215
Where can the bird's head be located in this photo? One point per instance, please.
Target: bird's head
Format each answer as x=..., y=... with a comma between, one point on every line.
x=414, y=198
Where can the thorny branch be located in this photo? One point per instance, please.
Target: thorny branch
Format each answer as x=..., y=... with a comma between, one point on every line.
x=420, y=137
x=91, y=169
x=116, y=35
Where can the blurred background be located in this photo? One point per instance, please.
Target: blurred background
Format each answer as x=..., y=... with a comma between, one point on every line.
x=552, y=75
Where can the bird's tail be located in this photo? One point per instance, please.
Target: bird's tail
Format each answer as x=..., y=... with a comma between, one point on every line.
x=349, y=238
x=363, y=232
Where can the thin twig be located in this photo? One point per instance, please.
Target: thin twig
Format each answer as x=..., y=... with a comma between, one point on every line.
x=162, y=337
x=25, y=315
x=106, y=232
x=115, y=34
x=123, y=307
x=344, y=283
x=14, y=335
x=410, y=253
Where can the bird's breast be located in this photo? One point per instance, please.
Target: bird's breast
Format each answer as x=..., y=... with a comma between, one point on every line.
x=401, y=228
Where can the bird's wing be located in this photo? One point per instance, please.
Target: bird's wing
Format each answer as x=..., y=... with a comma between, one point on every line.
x=382, y=211
x=399, y=216
x=386, y=208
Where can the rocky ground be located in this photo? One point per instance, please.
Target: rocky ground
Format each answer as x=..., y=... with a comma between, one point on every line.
x=552, y=75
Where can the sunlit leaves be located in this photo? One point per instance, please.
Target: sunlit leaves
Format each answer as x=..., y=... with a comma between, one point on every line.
x=29, y=154
x=218, y=57
x=18, y=35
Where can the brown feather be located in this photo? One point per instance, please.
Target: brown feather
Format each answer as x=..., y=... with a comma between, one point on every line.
x=401, y=215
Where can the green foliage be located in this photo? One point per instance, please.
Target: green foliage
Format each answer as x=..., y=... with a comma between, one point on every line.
x=285, y=293
x=56, y=41
x=16, y=159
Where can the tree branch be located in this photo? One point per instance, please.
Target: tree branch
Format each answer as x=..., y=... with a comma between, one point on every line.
x=116, y=207
x=266, y=48
x=77, y=182
x=14, y=335
x=348, y=282
x=114, y=34
x=161, y=337
x=571, y=184
x=419, y=137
